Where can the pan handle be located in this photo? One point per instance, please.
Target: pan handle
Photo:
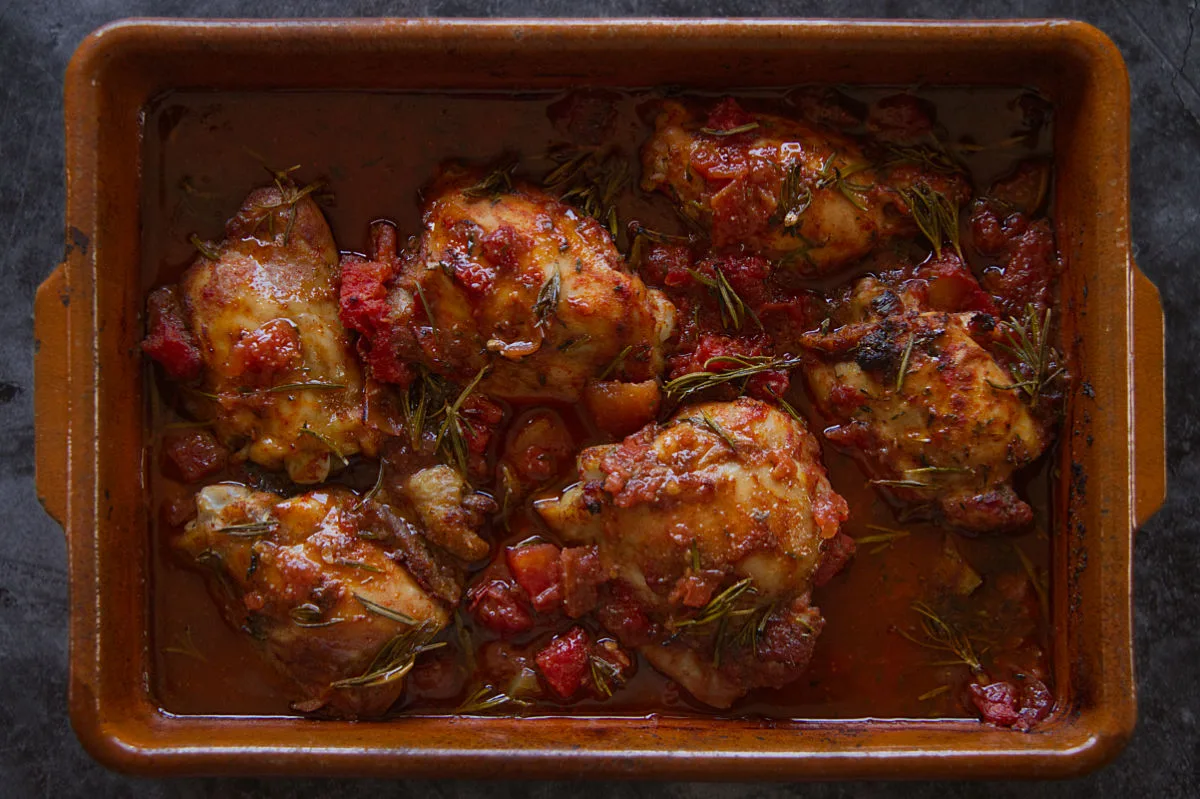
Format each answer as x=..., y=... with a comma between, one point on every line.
x=1147, y=366
x=51, y=397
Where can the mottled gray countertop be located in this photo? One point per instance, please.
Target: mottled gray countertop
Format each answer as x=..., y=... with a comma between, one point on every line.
x=39, y=755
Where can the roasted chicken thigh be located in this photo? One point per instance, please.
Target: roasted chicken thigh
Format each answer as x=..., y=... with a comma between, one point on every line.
x=508, y=282
x=709, y=529
x=252, y=328
x=794, y=191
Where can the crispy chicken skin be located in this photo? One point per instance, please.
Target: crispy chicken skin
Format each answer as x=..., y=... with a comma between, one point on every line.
x=325, y=582
x=724, y=499
x=512, y=279
x=253, y=321
x=913, y=390
x=789, y=190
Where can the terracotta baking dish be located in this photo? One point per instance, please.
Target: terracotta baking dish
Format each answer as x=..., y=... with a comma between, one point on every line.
x=91, y=427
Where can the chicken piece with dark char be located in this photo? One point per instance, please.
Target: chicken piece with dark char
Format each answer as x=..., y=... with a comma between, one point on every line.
x=913, y=371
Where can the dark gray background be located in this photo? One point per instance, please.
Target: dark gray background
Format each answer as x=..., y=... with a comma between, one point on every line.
x=38, y=752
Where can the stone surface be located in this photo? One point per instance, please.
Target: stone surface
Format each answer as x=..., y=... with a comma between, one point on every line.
x=39, y=755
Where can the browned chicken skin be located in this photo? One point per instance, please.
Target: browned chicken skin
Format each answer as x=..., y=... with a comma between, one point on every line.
x=792, y=191
x=719, y=513
x=342, y=593
x=509, y=280
x=911, y=390
x=258, y=315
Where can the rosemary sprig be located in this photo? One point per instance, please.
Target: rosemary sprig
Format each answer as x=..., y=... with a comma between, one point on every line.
x=930, y=158
x=493, y=184
x=943, y=636
x=719, y=606
x=752, y=630
x=1039, y=584
x=186, y=646
x=882, y=539
x=795, y=196
x=903, y=371
x=901, y=483
x=524, y=684
x=705, y=420
x=1029, y=344
x=332, y=447
x=309, y=615
x=453, y=432
x=385, y=611
x=935, y=215
x=590, y=180
x=546, y=305
x=941, y=689
x=374, y=490
x=605, y=674
x=358, y=564
x=396, y=658
x=832, y=176
x=616, y=362
x=746, y=128
x=745, y=366
x=425, y=306
x=203, y=248
x=312, y=385
x=733, y=309
x=249, y=529
x=486, y=698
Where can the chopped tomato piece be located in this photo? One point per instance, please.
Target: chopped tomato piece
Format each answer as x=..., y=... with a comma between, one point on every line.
x=536, y=568
x=195, y=454
x=564, y=662
x=170, y=341
x=498, y=605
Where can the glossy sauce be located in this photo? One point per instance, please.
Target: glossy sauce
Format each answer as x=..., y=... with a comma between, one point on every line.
x=375, y=152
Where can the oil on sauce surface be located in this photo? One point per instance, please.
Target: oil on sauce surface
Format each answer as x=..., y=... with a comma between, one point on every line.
x=204, y=151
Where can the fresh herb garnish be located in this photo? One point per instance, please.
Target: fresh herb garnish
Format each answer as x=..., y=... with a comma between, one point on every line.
x=1029, y=344
x=454, y=429
x=312, y=385
x=940, y=635
x=745, y=366
x=590, y=180
x=385, y=611
x=832, y=176
x=204, y=248
x=705, y=420
x=495, y=183
x=795, y=196
x=745, y=128
x=249, y=529
x=733, y=309
x=546, y=305
x=935, y=214
x=332, y=447
x=397, y=657
x=309, y=615
x=605, y=674
x=719, y=606
x=616, y=362
x=882, y=539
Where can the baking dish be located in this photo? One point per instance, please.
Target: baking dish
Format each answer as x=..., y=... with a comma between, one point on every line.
x=90, y=425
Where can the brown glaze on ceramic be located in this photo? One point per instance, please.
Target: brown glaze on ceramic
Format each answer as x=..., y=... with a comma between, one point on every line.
x=91, y=437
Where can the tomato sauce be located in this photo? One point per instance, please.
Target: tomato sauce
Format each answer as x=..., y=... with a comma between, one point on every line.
x=204, y=151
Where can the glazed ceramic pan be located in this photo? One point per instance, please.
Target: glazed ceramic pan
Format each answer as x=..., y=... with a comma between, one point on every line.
x=91, y=431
